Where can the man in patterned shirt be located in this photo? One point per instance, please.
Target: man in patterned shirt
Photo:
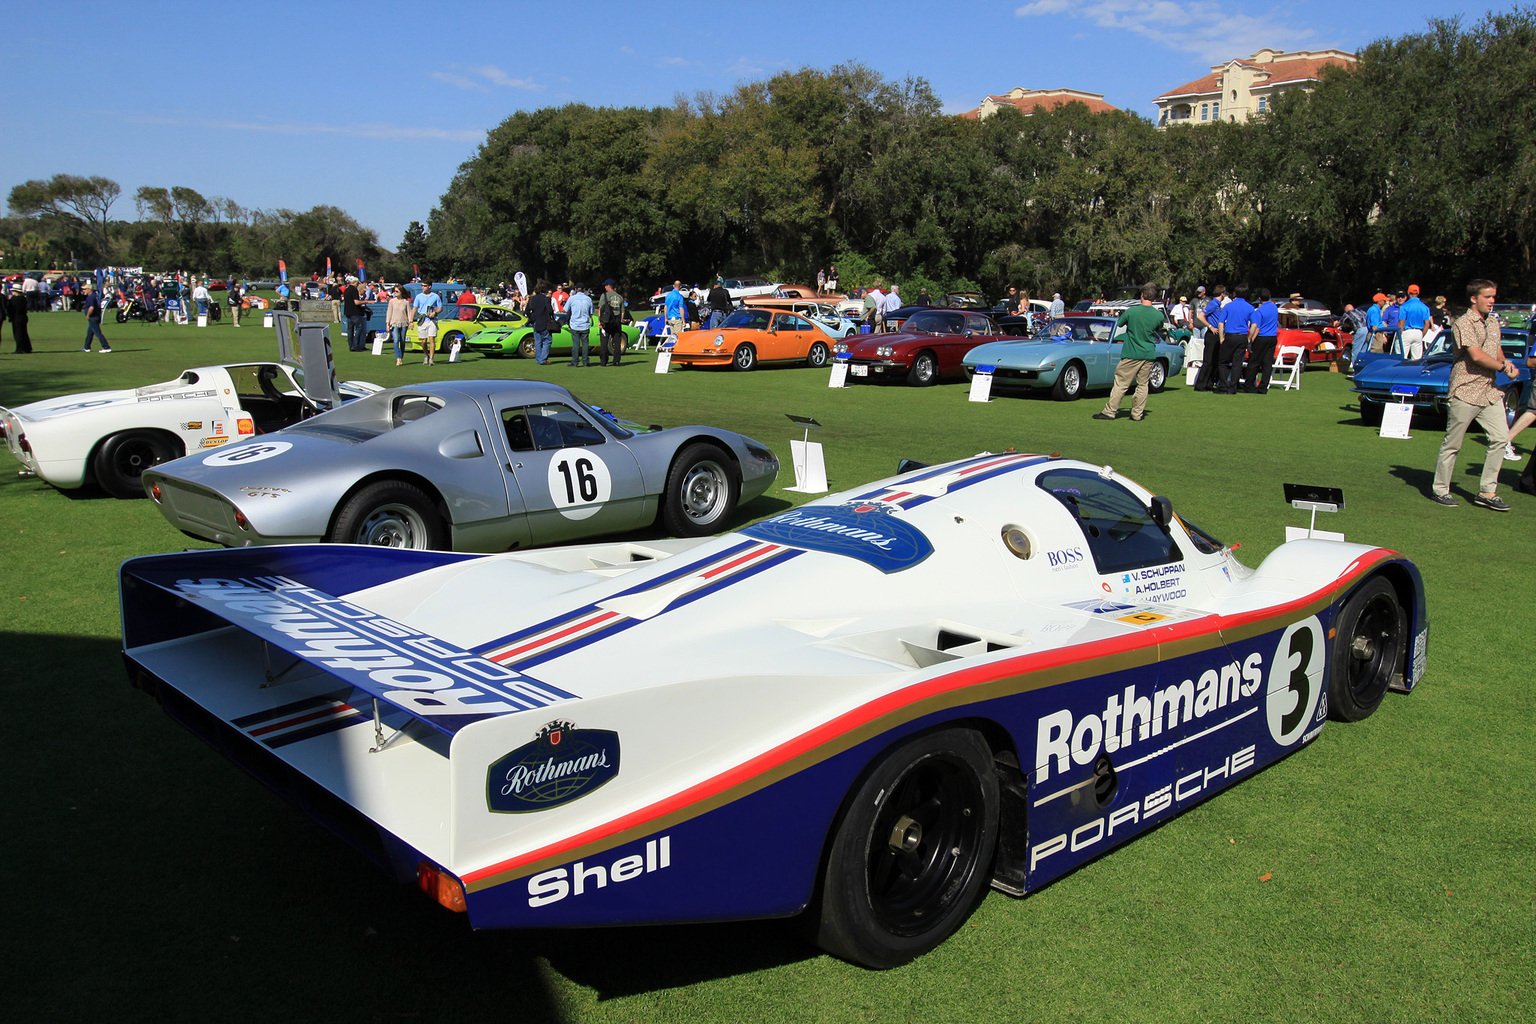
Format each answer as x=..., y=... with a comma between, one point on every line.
x=1473, y=396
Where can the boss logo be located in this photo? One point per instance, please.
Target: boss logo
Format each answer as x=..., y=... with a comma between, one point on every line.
x=1064, y=557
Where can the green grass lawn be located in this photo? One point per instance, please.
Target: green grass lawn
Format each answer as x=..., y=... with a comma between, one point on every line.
x=1382, y=875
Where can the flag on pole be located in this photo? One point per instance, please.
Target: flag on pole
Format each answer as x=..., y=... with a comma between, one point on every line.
x=282, y=270
x=327, y=266
x=362, y=271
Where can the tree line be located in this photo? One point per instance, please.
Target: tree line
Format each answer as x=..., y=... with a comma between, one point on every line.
x=1418, y=164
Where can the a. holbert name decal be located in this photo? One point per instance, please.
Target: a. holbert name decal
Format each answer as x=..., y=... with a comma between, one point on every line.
x=562, y=764
x=866, y=530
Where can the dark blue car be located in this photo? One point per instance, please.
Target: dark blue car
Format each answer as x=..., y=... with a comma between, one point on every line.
x=1379, y=373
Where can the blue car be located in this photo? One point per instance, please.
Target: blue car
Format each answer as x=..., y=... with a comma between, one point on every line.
x=1378, y=373
x=1071, y=356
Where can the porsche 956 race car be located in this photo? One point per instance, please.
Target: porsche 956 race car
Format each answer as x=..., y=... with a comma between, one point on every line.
x=475, y=465
x=111, y=437
x=874, y=706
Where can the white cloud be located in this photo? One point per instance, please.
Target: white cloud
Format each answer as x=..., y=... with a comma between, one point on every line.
x=481, y=78
x=1211, y=31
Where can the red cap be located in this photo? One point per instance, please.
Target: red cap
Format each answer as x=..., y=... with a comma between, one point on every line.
x=1413, y=289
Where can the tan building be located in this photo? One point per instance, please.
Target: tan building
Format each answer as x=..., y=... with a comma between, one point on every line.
x=1032, y=101
x=1245, y=86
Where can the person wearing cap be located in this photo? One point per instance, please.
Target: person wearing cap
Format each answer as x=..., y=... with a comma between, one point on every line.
x=1058, y=307
x=1375, y=322
x=1293, y=301
x=1391, y=318
x=90, y=305
x=610, y=319
x=1474, y=395
x=1414, y=317
x=1179, y=314
x=426, y=306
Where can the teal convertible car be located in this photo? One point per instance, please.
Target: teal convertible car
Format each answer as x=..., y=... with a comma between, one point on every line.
x=1072, y=355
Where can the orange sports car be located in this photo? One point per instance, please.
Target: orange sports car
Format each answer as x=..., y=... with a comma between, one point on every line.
x=756, y=335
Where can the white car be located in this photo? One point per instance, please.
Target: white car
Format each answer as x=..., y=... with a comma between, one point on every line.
x=110, y=437
x=873, y=706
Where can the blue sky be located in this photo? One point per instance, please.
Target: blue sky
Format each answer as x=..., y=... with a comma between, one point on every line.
x=372, y=107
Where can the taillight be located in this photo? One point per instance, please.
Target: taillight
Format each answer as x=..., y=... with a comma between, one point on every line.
x=24, y=444
x=154, y=492
x=241, y=521
x=441, y=886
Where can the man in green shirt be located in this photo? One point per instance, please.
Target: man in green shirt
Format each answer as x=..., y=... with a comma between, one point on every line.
x=1143, y=325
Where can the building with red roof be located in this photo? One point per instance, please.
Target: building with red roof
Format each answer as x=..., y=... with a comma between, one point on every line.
x=1246, y=86
x=1032, y=101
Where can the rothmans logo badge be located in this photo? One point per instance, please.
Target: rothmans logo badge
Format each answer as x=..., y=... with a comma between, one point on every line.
x=563, y=763
x=869, y=531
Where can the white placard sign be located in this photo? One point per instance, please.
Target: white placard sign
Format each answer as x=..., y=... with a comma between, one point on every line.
x=839, y=378
x=266, y=320
x=1396, y=418
x=664, y=356
x=981, y=384
x=454, y=350
x=810, y=467
x=202, y=319
x=378, y=343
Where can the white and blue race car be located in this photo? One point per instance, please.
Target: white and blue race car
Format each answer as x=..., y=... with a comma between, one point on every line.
x=982, y=673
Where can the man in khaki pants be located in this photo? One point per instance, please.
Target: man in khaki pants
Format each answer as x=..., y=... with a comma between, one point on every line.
x=1138, y=352
x=1473, y=396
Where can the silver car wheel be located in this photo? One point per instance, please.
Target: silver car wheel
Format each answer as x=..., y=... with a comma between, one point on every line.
x=706, y=488
x=393, y=526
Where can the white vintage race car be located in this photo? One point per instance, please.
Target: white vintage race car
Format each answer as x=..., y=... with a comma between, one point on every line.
x=989, y=671
x=110, y=437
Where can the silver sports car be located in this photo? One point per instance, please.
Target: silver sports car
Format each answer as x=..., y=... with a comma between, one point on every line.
x=475, y=465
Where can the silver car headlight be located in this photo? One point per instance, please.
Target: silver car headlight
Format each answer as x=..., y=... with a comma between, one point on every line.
x=840, y=346
x=719, y=340
x=884, y=351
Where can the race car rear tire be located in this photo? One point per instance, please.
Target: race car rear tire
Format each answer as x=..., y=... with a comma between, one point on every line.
x=1158, y=378
x=1368, y=646
x=912, y=853
x=1069, y=383
x=701, y=491
x=817, y=357
x=390, y=513
x=925, y=370
x=122, y=459
x=744, y=358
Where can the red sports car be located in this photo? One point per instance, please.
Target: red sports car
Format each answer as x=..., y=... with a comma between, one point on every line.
x=928, y=347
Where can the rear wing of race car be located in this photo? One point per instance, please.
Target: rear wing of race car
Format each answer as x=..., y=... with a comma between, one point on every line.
x=253, y=650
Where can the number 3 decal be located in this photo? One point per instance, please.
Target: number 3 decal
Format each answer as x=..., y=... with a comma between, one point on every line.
x=579, y=483
x=1295, y=681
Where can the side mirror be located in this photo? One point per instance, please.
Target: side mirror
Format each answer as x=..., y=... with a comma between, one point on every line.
x=1161, y=510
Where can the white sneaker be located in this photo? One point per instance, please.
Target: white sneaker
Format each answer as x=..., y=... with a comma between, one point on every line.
x=1510, y=455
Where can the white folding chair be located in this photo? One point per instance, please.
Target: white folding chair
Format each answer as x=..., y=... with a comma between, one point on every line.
x=1294, y=359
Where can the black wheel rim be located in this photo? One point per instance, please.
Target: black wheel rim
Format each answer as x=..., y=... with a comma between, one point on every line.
x=924, y=844
x=133, y=457
x=1373, y=647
